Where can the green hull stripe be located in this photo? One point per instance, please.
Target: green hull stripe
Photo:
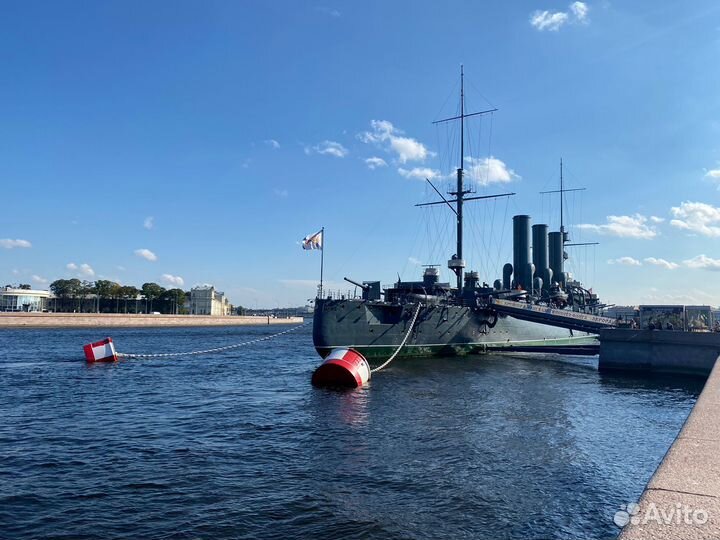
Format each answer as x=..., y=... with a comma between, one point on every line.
x=383, y=351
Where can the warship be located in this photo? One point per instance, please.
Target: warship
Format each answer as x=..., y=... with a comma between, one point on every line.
x=429, y=317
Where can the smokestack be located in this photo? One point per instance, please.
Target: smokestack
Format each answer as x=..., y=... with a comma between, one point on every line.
x=507, y=274
x=540, y=248
x=556, y=255
x=521, y=251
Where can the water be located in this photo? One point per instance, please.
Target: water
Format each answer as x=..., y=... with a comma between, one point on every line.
x=239, y=445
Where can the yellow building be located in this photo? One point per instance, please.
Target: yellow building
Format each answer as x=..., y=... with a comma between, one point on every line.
x=205, y=300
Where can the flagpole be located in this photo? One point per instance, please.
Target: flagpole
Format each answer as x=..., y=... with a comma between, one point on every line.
x=322, y=259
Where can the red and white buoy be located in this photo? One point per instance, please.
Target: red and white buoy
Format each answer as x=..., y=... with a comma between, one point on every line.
x=101, y=351
x=342, y=367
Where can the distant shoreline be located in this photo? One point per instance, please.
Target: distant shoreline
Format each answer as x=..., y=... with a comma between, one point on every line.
x=123, y=320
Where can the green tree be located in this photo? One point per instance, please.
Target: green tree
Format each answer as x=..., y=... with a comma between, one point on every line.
x=115, y=293
x=128, y=292
x=175, y=298
x=151, y=291
x=67, y=290
x=87, y=288
x=105, y=289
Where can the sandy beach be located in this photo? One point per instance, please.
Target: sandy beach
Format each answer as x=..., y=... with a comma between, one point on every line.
x=101, y=320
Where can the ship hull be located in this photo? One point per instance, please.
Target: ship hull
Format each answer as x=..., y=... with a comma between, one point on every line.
x=376, y=330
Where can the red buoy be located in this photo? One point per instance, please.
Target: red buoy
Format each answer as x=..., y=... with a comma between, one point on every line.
x=101, y=351
x=342, y=367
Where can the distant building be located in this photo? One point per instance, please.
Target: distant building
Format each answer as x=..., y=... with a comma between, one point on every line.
x=23, y=299
x=625, y=313
x=206, y=300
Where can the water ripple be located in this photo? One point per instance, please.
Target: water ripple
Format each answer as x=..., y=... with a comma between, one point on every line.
x=238, y=445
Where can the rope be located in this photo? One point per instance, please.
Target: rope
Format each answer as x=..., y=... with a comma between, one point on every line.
x=207, y=351
x=402, y=344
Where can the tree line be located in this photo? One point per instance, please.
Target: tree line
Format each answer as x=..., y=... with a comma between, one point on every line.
x=104, y=296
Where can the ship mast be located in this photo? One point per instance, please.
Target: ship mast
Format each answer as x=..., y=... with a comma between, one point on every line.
x=457, y=263
x=461, y=192
x=563, y=233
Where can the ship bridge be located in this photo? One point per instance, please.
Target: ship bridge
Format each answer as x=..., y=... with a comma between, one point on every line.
x=563, y=318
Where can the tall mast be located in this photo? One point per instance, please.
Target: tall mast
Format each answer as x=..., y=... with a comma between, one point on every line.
x=456, y=263
x=460, y=187
x=562, y=191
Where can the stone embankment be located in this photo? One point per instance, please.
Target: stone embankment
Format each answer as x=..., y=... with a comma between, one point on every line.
x=97, y=320
x=682, y=499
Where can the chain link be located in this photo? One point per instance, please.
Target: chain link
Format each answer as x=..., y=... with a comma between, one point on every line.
x=402, y=344
x=207, y=351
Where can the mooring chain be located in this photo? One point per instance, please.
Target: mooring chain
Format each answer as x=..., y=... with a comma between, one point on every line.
x=217, y=349
x=402, y=344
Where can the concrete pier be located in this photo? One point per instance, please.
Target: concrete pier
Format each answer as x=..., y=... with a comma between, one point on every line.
x=682, y=500
x=112, y=320
x=658, y=351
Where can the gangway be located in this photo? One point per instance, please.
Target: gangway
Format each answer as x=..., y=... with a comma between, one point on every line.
x=564, y=318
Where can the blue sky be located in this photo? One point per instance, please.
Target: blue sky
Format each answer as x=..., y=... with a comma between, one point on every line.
x=198, y=142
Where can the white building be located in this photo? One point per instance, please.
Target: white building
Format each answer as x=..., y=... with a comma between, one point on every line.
x=23, y=299
x=205, y=300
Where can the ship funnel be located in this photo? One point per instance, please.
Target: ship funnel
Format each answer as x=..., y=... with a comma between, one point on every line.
x=540, y=250
x=555, y=240
x=521, y=251
x=507, y=274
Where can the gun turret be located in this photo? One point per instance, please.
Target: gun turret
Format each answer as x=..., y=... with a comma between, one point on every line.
x=363, y=286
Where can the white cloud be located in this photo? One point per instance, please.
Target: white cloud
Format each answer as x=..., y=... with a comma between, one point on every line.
x=332, y=12
x=173, y=280
x=421, y=173
x=697, y=217
x=146, y=254
x=329, y=148
x=691, y=297
x=713, y=173
x=634, y=226
x=704, y=262
x=272, y=143
x=580, y=10
x=84, y=270
x=662, y=263
x=392, y=139
x=415, y=261
x=375, y=162
x=626, y=261
x=39, y=280
x=9, y=243
x=656, y=219
x=544, y=20
x=552, y=21
x=487, y=171
x=149, y=222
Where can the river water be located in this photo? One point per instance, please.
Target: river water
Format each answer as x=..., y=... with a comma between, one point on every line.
x=239, y=445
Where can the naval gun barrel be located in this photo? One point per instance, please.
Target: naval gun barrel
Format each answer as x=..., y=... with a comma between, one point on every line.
x=362, y=286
